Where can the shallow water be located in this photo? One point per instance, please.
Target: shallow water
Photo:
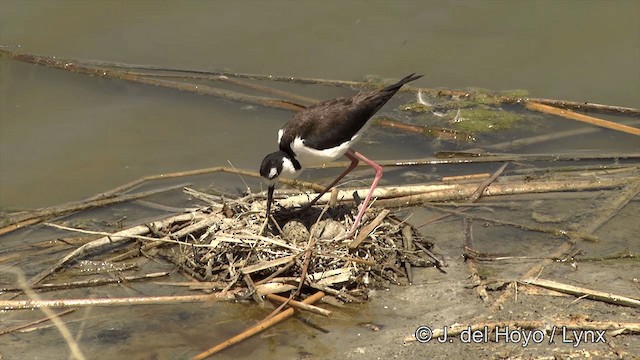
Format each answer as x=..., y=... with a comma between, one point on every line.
x=64, y=137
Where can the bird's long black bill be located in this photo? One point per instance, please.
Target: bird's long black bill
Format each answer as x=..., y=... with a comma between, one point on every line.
x=270, y=199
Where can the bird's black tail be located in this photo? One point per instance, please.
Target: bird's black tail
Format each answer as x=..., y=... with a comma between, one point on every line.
x=395, y=87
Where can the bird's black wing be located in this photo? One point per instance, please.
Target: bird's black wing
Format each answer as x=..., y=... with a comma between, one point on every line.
x=332, y=122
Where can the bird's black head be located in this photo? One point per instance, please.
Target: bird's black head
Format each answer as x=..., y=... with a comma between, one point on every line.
x=271, y=168
x=272, y=165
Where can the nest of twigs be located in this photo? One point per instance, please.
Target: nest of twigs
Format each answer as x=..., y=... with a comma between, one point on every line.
x=299, y=250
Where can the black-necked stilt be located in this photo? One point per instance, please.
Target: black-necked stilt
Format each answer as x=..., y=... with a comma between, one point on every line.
x=322, y=133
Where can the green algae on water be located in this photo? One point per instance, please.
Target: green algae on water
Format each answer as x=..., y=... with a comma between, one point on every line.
x=482, y=120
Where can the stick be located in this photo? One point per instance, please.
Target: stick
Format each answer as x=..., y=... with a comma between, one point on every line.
x=102, y=68
x=580, y=117
x=609, y=209
x=559, y=103
x=628, y=255
x=20, y=327
x=366, y=230
x=26, y=218
x=89, y=204
x=299, y=305
x=584, y=106
x=106, y=73
x=61, y=326
x=481, y=290
x=584, y=292
x=560, y=253
x=87, y=283
x=46, y=213
x=471, y=263
x=150, y=300
x=580, y=169
x=257, y=328
x=230, y=295
x=267, y=89
x=278, y=272
x=463, y=158
x=462, y=191
x=13, y=226
x=476, y=194
x=216, y=74
x=570, y=235
x=252, y=288
x=518, y=143
x=407, y=243
x=311, y=243
x=18, y=223
x=103, y=233
x=267, y=264
x=439, y=263
x=380, y=192
x=514, y=144
x=462, y=205
x=120, y=236
x=462, y=178
x=223, y=169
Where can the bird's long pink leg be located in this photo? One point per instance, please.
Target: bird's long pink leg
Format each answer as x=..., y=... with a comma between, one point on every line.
x=364, y=205
x=354, y=163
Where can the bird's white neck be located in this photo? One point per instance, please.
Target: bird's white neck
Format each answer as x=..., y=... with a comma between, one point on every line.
x=287, y=167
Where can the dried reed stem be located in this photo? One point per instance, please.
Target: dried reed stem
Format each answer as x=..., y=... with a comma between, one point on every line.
x=531, y=105
x=257, y=328
x=584, y=292
x=299, y=305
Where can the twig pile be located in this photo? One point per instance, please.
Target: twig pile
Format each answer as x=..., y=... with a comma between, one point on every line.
x=230, y=252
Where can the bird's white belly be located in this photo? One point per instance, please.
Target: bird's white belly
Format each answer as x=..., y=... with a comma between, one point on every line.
x=312, y=157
